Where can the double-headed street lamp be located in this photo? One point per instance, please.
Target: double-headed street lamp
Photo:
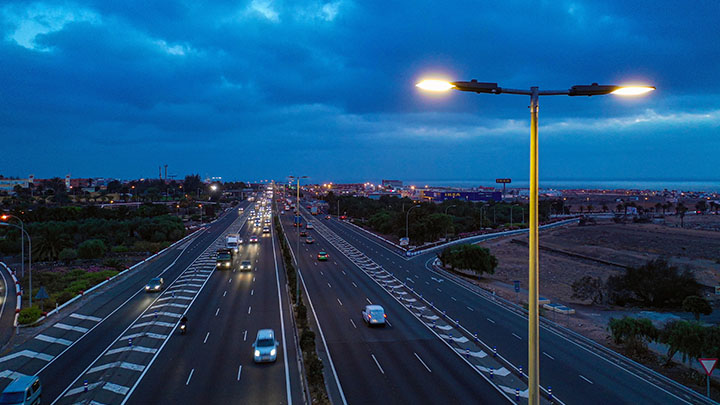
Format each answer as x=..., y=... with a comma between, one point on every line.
x=297, y=244
x=407, y=223
x=594, y=89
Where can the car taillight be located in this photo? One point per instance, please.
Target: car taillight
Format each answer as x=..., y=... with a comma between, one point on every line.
x=385, y=315
x=369, y=316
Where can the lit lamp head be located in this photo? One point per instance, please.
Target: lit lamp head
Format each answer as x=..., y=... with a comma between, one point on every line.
x=599, y=90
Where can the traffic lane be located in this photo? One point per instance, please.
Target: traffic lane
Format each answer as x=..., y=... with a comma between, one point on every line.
x=574, y=373
x=384, y=353
x=224, y=329
x=7, y=311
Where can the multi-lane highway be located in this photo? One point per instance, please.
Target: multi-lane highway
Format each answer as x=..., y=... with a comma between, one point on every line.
x=122, y=345
x=576, y=375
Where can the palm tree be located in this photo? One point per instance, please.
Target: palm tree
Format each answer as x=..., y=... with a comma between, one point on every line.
x=590, y=208
x=680, y=209
x=49, y=241
x=659, y=207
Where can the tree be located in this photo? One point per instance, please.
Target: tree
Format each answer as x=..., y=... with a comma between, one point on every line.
x=633, y=333
x=696, y=305
x=92, y=249
x=588, y=288
x=192, y=183
x=685, y=337
x=680, y=209
x=701, y=205
x=654, y=284
x=67, y=255
x=658, y=207
x=469, y=257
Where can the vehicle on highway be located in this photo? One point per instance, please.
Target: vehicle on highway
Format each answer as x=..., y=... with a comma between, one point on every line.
x=223, y=259
x=374, y=315
x=183, y=325
x=25, y=389
x=246, y=265
x=309, y=226
x=303, y=233
x=240, y=241
x=257, y=223
x=253, y=239
x=309, y=240
x=265, y=346
x=327, y=216
x=343, y=217
x=266, y=229
x=154, y=285
x=241, y=209
x=231, y=242
x=322, y=256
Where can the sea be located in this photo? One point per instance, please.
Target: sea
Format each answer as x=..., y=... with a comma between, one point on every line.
x=710, y=186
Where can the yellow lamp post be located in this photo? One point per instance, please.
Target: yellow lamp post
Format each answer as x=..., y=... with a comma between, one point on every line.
x=594, y=89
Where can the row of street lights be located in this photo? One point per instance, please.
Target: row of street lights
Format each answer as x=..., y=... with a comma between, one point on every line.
x=534, y=92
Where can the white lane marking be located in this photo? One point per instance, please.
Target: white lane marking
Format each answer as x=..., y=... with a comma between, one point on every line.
x=549, y=356
x=470, y=309
x=339, y=302
x=581, y=376
x=70, y=327
x=423, y=363
x=353, y=323
x=145, y=334
x=141, y=349
x=368, y=300
x=163, y=313
x=249, y=309
x=189, y=377
x=253, y=279
x=86, y=317
x=388, y=322
x=439, y=290
x=163, y=324
x=245, y=336
x=378, y=364
x=490, y=320
x=453, y=298
x=353, y=283
x=343, y=272
x=169, y=305
x=51, y=339
x=81, y=389
x=225, y=293
x=252, y=292
x=229, y=280
x=517, y=336
x=239, y=371
x=121, y=364
x=217, y=311
x=329, y=285
x=27, y=353
x=206, y=337
x=118, y=389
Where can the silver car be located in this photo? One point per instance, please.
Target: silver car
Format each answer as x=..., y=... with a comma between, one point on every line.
x=265, y=346
x=374, y=315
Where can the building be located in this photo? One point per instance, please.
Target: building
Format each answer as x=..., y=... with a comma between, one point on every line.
x=9, y=184
x=392, y=183
x=440, y=196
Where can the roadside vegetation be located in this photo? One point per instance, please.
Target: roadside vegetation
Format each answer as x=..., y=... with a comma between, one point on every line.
x=469, y=257
x=312, y=363
x=430, y=221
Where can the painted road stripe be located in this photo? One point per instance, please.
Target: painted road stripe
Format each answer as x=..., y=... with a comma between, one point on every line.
x=423, y=363
x=189, y=377
x=581, y=376
x=50, y=339
x=27, y=353
x=206, y=337
x=239, y=371
x=146, y=334
x=353, y=323
x=378, y=364
x=339, y=302
x=81, y=389
x=13, y=375
x=121, y=364
x=140, y=349
x=490, y=320
x=510, y=390
x=169, y=304
x=170, y=314
x=86, y=317
x=70, y=327
x=549, y=356
x=118, y=389
x=517, y=336
x=163, y=324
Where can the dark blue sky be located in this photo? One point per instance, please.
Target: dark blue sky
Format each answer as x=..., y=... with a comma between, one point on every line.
x=261, y=89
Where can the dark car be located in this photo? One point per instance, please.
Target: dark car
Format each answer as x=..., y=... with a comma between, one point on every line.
x=309, y=240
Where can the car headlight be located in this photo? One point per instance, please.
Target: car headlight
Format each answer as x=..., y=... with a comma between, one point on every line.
x=272, y=352
x=257, y=353
x=147, y=288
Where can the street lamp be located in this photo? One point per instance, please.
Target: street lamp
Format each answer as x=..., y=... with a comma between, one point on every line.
x=297, y=244
x=5, y=217
x=22, y=230
x=534, y=93
x=446, y=210
x=407, y=223
x=201, y=212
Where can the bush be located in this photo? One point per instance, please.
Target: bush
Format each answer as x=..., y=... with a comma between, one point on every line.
x=67, y=255
x=29, y=315
x=469, y=257
x=314, y=368
x=655, y=284
x=92, y=249
x=307, y=340
x=120, y=249
x=114, y=263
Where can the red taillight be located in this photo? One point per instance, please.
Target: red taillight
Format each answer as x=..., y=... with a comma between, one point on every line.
x=369, y=316
x=385, y=315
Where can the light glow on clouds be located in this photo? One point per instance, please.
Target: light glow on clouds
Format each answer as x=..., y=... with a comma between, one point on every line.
x=265, y=9
x=38, y=19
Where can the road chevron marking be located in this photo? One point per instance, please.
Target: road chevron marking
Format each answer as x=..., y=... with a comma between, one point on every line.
x=27, y=353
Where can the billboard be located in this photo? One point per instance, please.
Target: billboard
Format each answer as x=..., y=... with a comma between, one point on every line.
x=439, y=196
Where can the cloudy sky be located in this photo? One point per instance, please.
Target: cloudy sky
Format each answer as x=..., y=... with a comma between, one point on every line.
x=263, y=89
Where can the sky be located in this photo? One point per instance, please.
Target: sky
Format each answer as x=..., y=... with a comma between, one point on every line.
x=261, y=89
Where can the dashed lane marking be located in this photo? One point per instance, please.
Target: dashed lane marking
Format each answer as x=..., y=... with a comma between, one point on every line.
x=378, y=364
x=549, y=356
x=50, y=339
x=423, y=363
x=189, y=377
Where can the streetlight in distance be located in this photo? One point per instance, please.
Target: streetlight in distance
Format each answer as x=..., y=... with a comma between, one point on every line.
x=407, y=223
x=594, y=89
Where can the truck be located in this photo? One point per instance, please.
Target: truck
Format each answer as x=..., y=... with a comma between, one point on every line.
x=223, y=259
x=314, y=210
x=232, y=243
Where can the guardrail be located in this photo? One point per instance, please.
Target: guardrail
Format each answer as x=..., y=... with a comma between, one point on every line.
x=18, y=294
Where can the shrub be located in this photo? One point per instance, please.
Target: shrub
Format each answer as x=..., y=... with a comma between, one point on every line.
x=29, y=315
x=314, y=368
x=92, y=249
x=114, y=263
x=655, y=284
x=469, y=257
x=120, y=249
x=67, y=255
x=307, y=340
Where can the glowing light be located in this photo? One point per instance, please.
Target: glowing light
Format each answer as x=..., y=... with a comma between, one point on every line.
x=633, y=90
x=435, y=85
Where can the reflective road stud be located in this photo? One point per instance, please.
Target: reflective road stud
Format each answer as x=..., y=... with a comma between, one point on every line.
x=517, y=394
x=85, y=386
x=130, y=342
x=492, y=372
x=550, y=394
x=494, y=351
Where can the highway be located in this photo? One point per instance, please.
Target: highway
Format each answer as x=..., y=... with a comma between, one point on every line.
x=401, y=363
x=121, y=344
x=574, y=374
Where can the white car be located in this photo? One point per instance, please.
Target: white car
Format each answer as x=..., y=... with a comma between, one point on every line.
x=374, y=315
x=265, y=346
